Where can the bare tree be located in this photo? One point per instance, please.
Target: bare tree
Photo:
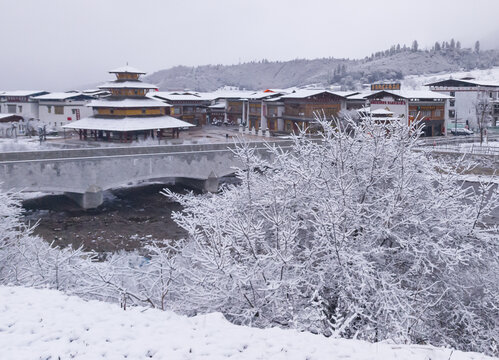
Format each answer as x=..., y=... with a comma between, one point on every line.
x=483, y=110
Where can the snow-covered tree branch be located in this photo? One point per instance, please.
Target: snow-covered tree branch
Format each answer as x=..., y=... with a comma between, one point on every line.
x=353, y=234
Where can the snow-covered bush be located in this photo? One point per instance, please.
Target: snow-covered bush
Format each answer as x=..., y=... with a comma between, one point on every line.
x=26, y=259
x=128, y=278
x=353, y=234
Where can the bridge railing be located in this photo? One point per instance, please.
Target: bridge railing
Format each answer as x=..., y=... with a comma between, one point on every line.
x=125, y=151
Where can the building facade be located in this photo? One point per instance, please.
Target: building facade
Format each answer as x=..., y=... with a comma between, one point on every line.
x=58, y=109
x=426, y=106
x=303, y=106
x=186, y=106
x=466, y=92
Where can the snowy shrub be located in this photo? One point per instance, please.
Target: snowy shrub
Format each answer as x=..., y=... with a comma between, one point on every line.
x=126, y=278
x=26, y=259
x=353, y=234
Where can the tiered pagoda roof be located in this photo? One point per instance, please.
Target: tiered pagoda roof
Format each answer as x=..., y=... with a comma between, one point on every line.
x=128, y=108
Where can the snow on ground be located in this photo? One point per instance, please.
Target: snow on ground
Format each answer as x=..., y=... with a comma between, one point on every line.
x=494, y=179
x=45, y=324
x=21, y=143
x=418, y=81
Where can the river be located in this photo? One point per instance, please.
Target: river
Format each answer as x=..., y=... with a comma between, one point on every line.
x=128, y=219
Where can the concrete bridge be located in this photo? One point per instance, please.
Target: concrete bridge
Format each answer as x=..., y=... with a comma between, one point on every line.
x=83, y=174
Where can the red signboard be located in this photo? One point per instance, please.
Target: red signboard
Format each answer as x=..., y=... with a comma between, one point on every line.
x=382, y=102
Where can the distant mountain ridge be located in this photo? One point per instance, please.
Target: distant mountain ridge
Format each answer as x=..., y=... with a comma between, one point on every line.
x=393, y=64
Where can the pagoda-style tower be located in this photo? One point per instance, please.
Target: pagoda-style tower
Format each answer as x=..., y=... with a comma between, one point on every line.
x=127, y=114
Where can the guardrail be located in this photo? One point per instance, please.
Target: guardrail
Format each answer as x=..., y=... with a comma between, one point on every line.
x=125, y=151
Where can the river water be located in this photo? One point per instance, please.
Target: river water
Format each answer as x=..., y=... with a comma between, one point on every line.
x=128, y=219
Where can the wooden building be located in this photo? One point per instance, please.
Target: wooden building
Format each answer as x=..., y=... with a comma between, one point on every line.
x=186, y=106
x=301, y=107
x=127, y=114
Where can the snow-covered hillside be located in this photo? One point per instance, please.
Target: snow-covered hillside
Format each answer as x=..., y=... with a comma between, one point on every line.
x=350, y=73
x=45, y=324
x=418, y=81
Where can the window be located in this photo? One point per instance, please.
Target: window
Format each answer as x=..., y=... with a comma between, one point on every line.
x=176, y=110
x=11, y=109
x=111, y=111
x=73, y=111
x=452, y=93
x=136, y=92
x=452, y=113
x=59, y=110
x=49, y=109
x=452, y=102
x=491, y=95
x=143, y=111
x=426, y=113
x=20, y=108
x=438, y=113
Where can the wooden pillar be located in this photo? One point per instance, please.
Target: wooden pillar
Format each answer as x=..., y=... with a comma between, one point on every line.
x=80, y=133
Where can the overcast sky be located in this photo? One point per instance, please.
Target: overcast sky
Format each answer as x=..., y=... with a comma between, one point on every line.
x=57, y=45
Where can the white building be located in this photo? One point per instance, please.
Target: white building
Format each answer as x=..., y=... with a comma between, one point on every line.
x=462, y=111
x=414, y=105
x=59, y=109
x=20, y=102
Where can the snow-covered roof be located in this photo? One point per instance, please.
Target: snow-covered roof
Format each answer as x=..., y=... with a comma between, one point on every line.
x=274, y=99
x=217, y=106
x=128, y=103
x=128, y=123
x=127, y=85
x=175, y=96
x=259, y=95
x=6, y=115
x=225, y=94
x=414, y=94
x=346, y=94
x=474, y=82
x=359, y=96
x=126, y=69
x=23, y=92
x=381, y=112
x=304, y=93
x=93, y=91
x=60, y=96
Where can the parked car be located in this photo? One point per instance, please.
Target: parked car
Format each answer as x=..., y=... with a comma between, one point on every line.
x=461, y=131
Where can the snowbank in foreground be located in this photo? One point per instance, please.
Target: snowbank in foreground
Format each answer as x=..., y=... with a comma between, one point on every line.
x=45, y=324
